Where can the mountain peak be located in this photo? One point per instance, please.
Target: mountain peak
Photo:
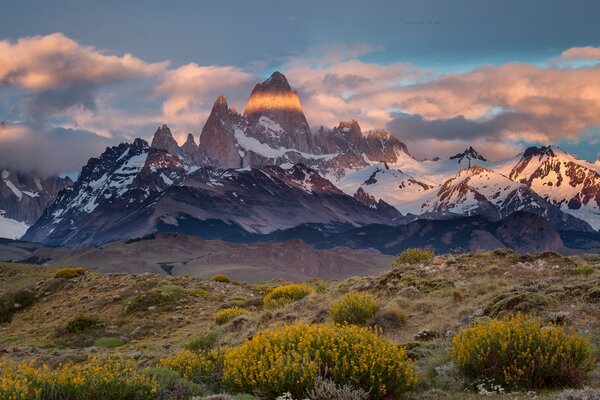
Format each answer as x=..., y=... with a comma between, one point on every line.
x=190, y=140
x=469, y=154
x=163, y=139
x=277, y=82
x=539, y=151
x=351, y=126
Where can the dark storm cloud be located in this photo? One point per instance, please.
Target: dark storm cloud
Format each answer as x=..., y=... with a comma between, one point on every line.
x=414, y=127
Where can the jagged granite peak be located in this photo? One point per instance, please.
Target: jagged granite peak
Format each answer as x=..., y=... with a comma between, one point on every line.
x=469, y=154
x=350, y=126
x=218, y=144
x=190, y=150
x=541, y=151
x=275, y=114
x=163, y=139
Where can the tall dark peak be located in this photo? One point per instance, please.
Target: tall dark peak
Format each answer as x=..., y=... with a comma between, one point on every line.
x=163, y=139
x=469, y=154
x=277, y=82
x=217, y=139
x=276, y=114
x=534, y=151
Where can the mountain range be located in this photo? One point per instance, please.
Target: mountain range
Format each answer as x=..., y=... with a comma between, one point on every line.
x=264, y=175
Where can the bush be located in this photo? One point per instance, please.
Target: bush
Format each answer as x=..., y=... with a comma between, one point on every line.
x=390, y=318
x=108, y=342
x=413, y=256
x=517, y=301
x=221, y=278
x=224, y=316
x=14, y=301
x=106, y=378
x=82, y=324
x=325, y=389
x=172, y=386
x=518, y=352
x=286, y=294
x=583, y=270
x=354, y=308
x=203, y=368
x=202, y=343
x=290, y=358
x=69, y=273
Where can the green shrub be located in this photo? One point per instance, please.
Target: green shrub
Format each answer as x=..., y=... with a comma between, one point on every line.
x=286, y=294
x=221, y=278
x=390, y=318
x=82, y=324
x=290, y=358
x=205, y=368
x=69, y=273
x=172, y=386
x=354, y=308
x=203, y=342
x=108, y=342
x=14, y=301
x=413, y=256
x=224, y=316
x=518, y=352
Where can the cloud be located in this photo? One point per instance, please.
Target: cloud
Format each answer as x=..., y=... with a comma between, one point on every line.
x=48, y=152
x=57, y=73
x=581, y=53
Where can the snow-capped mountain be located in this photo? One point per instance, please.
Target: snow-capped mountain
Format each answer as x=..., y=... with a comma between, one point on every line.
x=263, y=171
x=23, y=198
x=571, y=184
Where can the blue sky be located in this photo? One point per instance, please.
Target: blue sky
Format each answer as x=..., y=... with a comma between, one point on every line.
x=449, y=65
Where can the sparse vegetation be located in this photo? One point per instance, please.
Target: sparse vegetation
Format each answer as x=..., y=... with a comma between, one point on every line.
x=413, y=256
x=286, y=294
x=518, y=352
x=354, y=308
x=69, y=273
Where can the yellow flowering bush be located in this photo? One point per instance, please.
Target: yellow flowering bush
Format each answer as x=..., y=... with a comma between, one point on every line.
x=288, y=359
x=224, y=316
x=69, y=272
x=221, y=278
x=354, y=308
x=519, y=352
x=286, y=294
x=205, y=368
x=106, y=378
x=413, y=255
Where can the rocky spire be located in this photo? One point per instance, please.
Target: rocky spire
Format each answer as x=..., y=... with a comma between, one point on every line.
x=217, y=140
x=275, y=100
x=163, y=139
x=469, y=155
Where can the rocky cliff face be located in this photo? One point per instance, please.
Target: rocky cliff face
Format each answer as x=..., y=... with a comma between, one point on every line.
x=24, y=197
x=275, y=116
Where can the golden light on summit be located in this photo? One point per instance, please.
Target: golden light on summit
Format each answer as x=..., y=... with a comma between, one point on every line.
x=275, y=100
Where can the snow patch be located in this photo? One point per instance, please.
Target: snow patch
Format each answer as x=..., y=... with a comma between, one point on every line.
x=10, y=228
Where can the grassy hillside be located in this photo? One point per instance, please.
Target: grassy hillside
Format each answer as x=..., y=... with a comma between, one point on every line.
x=420, y=306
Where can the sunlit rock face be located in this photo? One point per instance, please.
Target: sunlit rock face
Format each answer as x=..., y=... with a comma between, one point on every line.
x=276, y=117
